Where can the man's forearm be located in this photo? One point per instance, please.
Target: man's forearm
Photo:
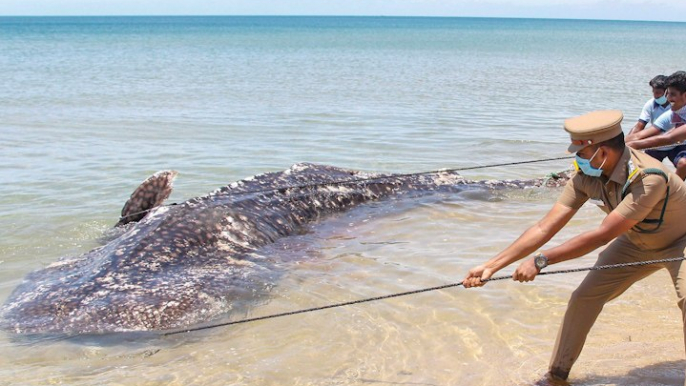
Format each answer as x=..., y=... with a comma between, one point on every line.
x=640, y=125
x=613, y=226
x=671, y=137
x=576, y=247
x=650, y=142
x=526, y=244
x=534, y=237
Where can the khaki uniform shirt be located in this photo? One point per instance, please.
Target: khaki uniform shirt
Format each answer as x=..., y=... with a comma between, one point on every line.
x=644, y=200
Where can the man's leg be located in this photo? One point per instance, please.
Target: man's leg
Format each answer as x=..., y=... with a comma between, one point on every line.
x=677, y=270
x=678, y=158
x=588, y=300
x=680, y=165
x=658, y=154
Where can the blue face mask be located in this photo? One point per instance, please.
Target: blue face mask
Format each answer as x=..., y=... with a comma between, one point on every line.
x=661, y=100
x=585, y=165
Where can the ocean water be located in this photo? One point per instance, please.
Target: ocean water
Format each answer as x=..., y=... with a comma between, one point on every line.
x=90, y=106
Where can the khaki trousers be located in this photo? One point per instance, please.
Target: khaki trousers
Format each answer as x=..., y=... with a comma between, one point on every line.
x=599, y=287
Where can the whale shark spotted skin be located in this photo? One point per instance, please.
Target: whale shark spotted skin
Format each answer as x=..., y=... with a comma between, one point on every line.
x=180, y=265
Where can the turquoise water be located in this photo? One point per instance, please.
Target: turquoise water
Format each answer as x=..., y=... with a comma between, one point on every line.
x=89, y=107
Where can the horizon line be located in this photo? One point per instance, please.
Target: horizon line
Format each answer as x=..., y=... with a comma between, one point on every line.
x=345, y=16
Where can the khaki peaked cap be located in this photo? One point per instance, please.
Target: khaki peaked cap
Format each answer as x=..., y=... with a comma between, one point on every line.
x=592, y=128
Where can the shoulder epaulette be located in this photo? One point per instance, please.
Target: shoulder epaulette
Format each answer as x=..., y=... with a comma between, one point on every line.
x=632, y=176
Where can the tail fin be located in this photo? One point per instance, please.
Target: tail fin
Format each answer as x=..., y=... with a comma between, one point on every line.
x=150, y=194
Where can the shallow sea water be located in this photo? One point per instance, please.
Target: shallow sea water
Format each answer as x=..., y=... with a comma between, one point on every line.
x=91, y=106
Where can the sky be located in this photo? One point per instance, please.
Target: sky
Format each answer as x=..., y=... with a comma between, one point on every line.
x=655, y=10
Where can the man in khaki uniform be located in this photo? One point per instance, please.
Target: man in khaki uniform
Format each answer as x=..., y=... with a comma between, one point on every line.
x=646, y=220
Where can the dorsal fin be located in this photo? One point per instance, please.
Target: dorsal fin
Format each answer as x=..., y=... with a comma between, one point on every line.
x=150, y=194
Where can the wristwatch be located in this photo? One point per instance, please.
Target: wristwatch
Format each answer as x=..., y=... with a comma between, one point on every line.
x=540, y=261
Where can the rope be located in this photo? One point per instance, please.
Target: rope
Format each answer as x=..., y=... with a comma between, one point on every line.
x=379, y=178
x=661, y=147
x=273, y=316
x=445, y=286
x=395, y=176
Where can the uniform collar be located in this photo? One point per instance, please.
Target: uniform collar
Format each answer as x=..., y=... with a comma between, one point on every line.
x=656, y=105
x=681, y=112
x=620, y=174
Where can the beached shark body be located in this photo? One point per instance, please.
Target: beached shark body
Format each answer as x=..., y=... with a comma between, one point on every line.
x=185, y=264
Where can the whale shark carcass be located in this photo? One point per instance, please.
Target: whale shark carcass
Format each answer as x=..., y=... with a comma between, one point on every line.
x=179, y=265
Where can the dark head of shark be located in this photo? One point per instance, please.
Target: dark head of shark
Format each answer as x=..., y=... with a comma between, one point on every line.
x=176, y=266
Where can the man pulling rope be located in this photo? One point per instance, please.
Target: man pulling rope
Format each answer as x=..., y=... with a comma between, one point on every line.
x=646, y=206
